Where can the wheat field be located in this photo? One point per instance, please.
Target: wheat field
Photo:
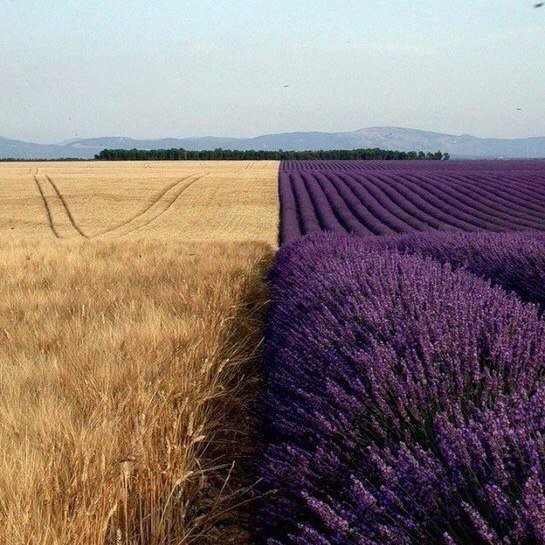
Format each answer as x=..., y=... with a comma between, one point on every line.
x=132, y=299
x=186, y=200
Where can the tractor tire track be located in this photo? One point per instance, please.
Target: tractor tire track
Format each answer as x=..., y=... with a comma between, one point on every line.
x=66, y=208
x=146, y=209
x=161, y=204
x=156, y=209
x=47, y=208
x=59, y=216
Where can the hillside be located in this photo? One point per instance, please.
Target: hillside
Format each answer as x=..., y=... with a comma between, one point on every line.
x=403, y=139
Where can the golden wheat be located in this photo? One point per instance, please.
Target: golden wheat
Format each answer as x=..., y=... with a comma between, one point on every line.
x=127, y=353
x=187, y=200
x=125, y=372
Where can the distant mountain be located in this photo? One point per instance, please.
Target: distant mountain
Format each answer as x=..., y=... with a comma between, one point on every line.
x=374, y=137
x=26, y=150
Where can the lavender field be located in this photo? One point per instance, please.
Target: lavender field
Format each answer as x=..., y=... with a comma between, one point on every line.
x=404, y=391
x=368, y=198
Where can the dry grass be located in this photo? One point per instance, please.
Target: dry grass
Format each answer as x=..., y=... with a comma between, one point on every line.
x=125, y=372
x=187, y=200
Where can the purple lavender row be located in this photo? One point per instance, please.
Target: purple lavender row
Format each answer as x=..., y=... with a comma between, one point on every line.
x=536, y=167
x=404, y=402
x=482, y=209
x=387, y=197
x=511, y=198
x=513, y=261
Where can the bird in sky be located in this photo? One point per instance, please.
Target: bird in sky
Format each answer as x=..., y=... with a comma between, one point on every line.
x=539, y=5
x=286, y=85
x=519, y=109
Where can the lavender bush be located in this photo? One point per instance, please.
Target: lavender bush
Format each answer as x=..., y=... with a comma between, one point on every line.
x=404, y=402
x=514, y=261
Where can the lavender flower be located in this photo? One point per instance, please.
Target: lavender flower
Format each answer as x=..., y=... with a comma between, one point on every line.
x=404, y=400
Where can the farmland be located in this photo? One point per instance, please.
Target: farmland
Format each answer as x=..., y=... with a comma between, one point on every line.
x=409, y=395
x=384, y=198
x=167, y=378
x=404, y=366
x=205, y=201
x=132, y=302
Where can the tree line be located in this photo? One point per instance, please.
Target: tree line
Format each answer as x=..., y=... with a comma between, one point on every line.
x=180, y=154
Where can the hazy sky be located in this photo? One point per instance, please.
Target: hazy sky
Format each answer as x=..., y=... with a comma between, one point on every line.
x=173, y=68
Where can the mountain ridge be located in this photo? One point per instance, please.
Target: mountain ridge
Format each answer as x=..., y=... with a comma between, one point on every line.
x=396, y=138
